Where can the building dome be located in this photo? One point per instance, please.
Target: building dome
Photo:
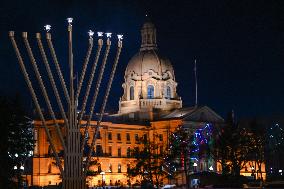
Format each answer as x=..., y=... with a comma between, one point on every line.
x=149, y=61
x=149, y=78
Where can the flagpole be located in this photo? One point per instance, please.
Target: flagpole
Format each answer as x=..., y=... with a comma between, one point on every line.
x=195, y=76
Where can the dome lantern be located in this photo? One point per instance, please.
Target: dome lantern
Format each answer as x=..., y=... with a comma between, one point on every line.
x=148, y=36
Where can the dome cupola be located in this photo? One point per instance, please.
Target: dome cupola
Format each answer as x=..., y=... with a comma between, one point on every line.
x=149, y=78
x=148, y=36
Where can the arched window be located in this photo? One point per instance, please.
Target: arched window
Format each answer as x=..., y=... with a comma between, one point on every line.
x=168, y=92
x=131, y=93
x=150, y=92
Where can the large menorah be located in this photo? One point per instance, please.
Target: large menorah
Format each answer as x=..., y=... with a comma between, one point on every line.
x=75, y=167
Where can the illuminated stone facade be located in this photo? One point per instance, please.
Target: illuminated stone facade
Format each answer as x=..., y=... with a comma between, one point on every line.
x=113, y=144
x=149, y=87
x=112, y=149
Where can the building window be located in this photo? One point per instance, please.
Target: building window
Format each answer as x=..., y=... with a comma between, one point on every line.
x=131, y=93
x=118, y=136
x=128, y=168
x=110, y=151
x=49, y=168
x=110, y=168
x=99, y=168
x=119, y=152
x=150, y=92
x=109, y=136
x=128, y=152
x=168, y=92
x=119, y=168
x=161, y=137
x=161, y=149
x=136, y=137
x=87, y=135
x=127, y=136
x=145, y=137
x=99, y=150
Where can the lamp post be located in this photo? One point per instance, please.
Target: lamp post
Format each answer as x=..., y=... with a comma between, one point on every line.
x=103, y=177
x=253, y=172
x=19, y=171
x=195, y=166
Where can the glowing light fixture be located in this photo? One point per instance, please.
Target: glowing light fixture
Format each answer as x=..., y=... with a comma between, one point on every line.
x=211, y=168
x=280, y=170
x=100, y=34
x=70, y=20
x=91, y=33
x=47, y=28
x=15, y=167
x=108, y=35
x=22, y=167
x=120, y=37
x=16, y=155
x=194, y=164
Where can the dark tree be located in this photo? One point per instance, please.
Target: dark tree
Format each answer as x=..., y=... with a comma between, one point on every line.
x=259, y=140
x=16, y=141
x=274, y=150
x=233, y=147
x=148, y=164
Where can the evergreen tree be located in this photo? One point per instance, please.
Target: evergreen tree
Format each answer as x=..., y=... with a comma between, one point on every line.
x=185, y=147
x=16, y=141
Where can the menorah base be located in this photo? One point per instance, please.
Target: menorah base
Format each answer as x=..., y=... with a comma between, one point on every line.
x=74, y=183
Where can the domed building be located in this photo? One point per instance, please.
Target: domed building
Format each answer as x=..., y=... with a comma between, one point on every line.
x=149, y=107
x=149, y=79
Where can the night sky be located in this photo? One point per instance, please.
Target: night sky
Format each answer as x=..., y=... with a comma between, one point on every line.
x=239, y=46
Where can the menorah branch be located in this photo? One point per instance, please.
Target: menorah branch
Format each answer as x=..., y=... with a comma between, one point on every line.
x=57, y=66
x=104, y=103
x=50, y=76
x=35, y=100
x=41, y=84
x=97, y=89
x=90, y=81
x=85, y=65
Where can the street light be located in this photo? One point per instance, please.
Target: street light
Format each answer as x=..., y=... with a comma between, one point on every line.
x=195, y=165
x=103, y=177
x=19, y=173
x=211, y=168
